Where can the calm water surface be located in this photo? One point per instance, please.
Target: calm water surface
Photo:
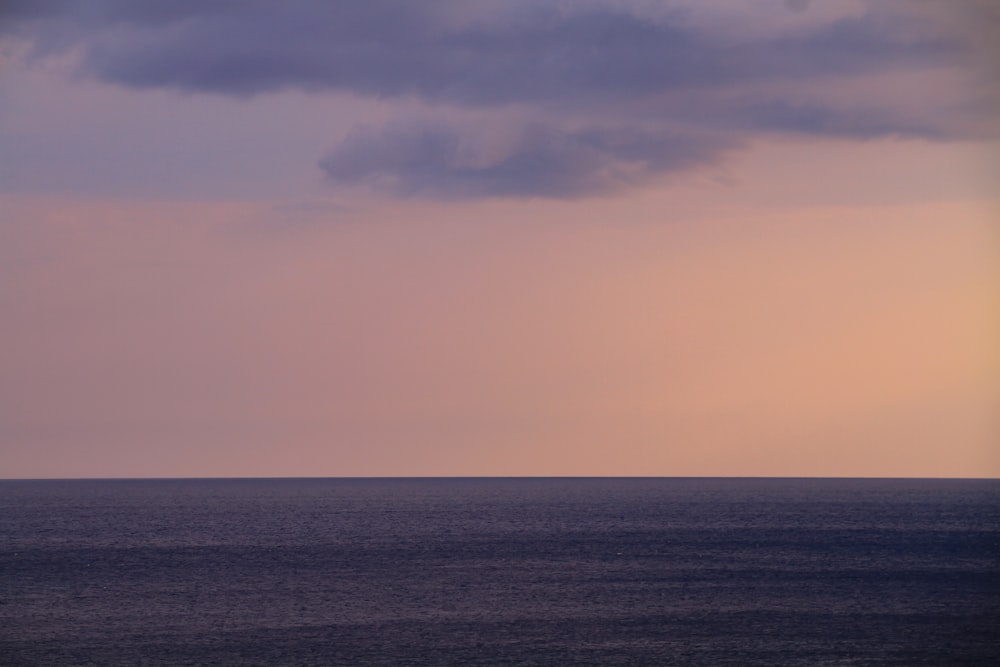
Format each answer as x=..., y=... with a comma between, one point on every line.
x=500, y=572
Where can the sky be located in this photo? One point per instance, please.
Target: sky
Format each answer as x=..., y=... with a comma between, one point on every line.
x=502, y=237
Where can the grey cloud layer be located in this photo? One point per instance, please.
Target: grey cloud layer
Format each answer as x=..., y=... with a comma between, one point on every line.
x=580, y=69
x=390, y=47
x=437, y=160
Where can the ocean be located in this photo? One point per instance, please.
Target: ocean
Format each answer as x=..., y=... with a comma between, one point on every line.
x=519, y=571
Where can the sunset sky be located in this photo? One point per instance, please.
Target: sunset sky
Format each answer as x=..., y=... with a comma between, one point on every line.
x=501, y=237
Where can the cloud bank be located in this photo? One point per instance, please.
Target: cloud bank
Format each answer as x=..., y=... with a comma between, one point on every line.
x=590, y=97
x=438, y=160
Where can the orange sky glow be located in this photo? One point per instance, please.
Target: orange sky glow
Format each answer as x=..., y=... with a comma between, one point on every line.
x=807, y=306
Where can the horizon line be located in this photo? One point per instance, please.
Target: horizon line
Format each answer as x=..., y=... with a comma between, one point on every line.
x=489, y=477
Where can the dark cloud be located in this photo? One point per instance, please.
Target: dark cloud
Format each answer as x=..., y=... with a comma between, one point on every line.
x=433, y=159
x=539, y=53
x=570, y=65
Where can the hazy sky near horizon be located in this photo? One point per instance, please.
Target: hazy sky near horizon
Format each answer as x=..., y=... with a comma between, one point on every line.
x=584, y=237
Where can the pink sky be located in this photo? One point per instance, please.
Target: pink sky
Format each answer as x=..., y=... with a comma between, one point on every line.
x=184, y=292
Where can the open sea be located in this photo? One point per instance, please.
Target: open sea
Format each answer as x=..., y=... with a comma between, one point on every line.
x=528, y=571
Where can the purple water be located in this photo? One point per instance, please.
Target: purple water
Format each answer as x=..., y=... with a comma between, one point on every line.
x=500, y=571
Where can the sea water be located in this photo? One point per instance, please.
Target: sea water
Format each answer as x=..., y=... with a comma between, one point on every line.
x=500, y=572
